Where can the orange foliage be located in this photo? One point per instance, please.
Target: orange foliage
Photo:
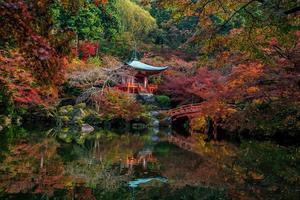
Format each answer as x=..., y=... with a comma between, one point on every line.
x=37, y=62
x=116, y=104
x=19, y=81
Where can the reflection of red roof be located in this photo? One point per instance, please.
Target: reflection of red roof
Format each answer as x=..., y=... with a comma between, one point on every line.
x=139, y=159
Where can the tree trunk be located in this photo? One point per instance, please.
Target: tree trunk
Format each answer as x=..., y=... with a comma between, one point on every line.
x=98, y=48
x=215, y=131
x=77, y=44
x=211, y=129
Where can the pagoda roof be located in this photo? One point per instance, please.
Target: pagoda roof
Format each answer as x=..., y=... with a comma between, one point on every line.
x=145, y=67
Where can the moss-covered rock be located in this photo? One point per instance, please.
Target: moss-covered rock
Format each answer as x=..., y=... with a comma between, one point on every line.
x=80, y=105
x=76, y=123
x=163, y=101
x=5, y=120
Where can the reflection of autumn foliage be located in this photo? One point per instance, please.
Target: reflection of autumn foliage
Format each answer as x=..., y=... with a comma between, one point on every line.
x=85, y=194
x=35, y=168
x=116, y=104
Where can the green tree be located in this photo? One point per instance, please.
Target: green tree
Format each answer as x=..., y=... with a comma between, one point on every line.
x=135, y=19
x=91, y=22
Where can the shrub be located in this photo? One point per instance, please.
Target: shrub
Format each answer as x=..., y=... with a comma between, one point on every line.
x=87, y=49
x=96, y=60
x=163, y=100
x=113, y=104
x=17, y=84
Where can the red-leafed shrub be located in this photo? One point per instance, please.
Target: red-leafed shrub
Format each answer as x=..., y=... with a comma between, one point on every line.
x=87, y=49
x=116, y=104
x=41, y=58
x=18, y=82
x=74, y=53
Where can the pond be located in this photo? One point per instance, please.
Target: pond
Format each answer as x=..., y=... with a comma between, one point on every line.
x=110, y=165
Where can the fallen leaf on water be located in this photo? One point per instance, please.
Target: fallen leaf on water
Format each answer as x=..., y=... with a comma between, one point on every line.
x=256, y=176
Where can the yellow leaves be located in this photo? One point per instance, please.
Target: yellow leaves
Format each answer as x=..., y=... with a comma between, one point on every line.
x=256, y=176
x=257, y=101
x=238, y=174
x=252, y=90
x=198, y=123
x=134, y=18
x=231, y=110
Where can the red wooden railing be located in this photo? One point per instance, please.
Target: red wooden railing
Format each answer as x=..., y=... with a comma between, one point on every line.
x=136, y=88
x=189, y=144
x=184, y=110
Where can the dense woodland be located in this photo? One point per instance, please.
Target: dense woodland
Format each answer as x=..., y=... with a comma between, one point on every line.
x=238, y=60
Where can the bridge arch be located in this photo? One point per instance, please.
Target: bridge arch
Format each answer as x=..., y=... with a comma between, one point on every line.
x=181, y=125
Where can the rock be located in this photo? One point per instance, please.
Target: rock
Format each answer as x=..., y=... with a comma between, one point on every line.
x=1, y=128
x=79, y=113
x=146, y=98
x=138, y=126
x=93, y=119
x=63, y=111
x=80, y=140
x=166, y=122
x=65, y=119
x=65, y=130
x=155, y=123
x=65, y=137
x=154, y=113
x=80, y=105
x=69, y=108
x=155, y=130
x=86, y=128
x=5, y=120
x=154, y=138
x=19, y=120
x=67, y=101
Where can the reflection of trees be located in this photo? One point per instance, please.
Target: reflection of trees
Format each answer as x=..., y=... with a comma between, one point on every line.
x=177, y=164
x=95, y=175
x=33, y=167
x=101, y=162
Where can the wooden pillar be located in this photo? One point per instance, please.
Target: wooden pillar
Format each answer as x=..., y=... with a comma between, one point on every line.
x=145, y=81
x=144, y=163
x=128, y=84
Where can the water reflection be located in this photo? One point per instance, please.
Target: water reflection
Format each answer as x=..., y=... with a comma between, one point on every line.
x=101, y=167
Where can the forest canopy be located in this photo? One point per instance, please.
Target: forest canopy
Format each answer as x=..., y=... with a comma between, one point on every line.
x=149, y=99
x=240, y=59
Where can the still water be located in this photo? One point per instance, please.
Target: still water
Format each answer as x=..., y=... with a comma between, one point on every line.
x=108, y=165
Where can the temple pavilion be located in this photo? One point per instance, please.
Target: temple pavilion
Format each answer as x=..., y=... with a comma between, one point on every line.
x=136, y=81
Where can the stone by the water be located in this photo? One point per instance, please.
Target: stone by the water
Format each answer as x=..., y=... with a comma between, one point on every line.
x=154, y=113
x=5, y=120
x=138, y=126
x=166, y=122
x=19, y=121
x=86, y=128
x=155, y=123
